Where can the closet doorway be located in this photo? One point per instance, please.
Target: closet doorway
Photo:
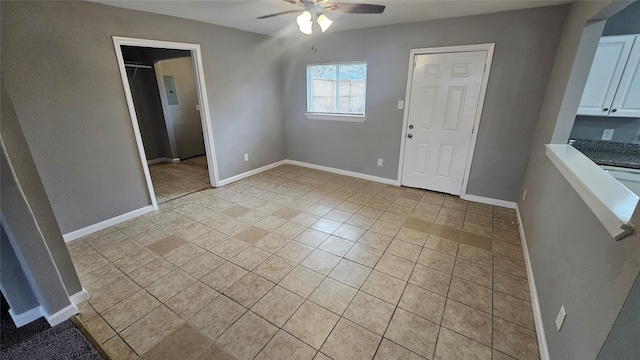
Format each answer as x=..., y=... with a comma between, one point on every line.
x=164, y=88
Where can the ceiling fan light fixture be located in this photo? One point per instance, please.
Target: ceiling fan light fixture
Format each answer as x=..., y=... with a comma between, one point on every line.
x=304, y=19
x=307, y=29
x=324, y=22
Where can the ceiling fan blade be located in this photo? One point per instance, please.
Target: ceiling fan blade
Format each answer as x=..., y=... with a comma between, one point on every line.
x=294, y=2
x=355, y=8
x=280, y=13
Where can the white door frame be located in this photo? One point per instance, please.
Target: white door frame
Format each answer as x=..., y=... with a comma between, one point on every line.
x=205, y=116
x=489, y=47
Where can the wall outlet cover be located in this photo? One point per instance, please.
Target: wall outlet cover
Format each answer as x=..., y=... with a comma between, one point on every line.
x=607, y=134
x=560, y=318
x=246, y=157
x=379, y=162
x=400, y=104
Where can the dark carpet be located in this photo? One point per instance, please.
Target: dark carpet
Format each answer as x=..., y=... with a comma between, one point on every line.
x=38, y=340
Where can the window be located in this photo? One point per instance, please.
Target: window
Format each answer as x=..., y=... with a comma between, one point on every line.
x=336, y=89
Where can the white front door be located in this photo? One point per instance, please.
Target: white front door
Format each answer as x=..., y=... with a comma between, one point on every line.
x=444, y=97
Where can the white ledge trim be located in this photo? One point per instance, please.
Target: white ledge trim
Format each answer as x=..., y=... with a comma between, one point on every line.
x=335, y=117
x=611, y=202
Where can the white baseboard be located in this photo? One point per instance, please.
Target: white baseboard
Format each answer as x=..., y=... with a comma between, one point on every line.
x=60, y=316
x=251, y=173
x=70, y=236
x=163, y=160
x=537, y=314
x=26, y=317
x=343, y=172
x=490, y=201
x=79, y=297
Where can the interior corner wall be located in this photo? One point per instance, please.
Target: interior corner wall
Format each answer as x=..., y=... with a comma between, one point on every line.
x=526, y=43
x=574, y=260
x=59, y=64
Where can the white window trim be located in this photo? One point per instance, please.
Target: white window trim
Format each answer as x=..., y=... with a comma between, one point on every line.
x=335, y=117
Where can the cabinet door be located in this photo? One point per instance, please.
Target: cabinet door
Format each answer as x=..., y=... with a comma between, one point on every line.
x=626, y=103
x=605, y=74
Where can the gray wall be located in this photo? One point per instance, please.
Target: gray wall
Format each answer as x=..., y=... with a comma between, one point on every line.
x=29, y=220
x=13, y=282
x=623, y=342
x=626, y=130
x=70, y=101
x=575, y=262
x=526, y=42
x=625, y=22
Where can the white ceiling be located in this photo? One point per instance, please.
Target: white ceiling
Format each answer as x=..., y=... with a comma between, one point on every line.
x=241, y=14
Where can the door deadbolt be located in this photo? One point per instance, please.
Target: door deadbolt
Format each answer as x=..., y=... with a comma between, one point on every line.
x=409, y=136
x=410, y=126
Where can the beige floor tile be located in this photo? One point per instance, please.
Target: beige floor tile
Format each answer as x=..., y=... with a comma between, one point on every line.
x=336, y=245
x=509, y=266
x=395, y=266
x=475, y=240
x=477, y=218
x=272, y=242
x=389, y=350
x=467, y=321
x=302, y=281
x=135, y=260
x=512, y=285
x=475, y=255
x=507, y=235
x=224, y=276
x=250, y=257
x=191, y=300
x=443, y=245
x=455, y=346
x=513, y=309
x=113, y=293
x=270, y=223
x=184, y=254
x=251, y=234
x=229, y=248
x=497, y=355
x=275, y=268
x=118, y=349
x=350, y=273
x=508, y=249
x=86, y=311
x=370, y=212
x=286, y=213
x=338, y=215
x=248, y=290
x=412, y=236
x=318, y=210
x=471, y=294
x=349, y=232
x=375, y=240
x=333, y=295
x=311, y=324
x=210, y=239
x=385, y=228
x=326, y=225
x=413, y=332
x=284, y=346
x=364, y=255
x=278, y=305
x=202, y=265
x=384, y=287
x=166, y=245
x=477, y=274
x=247, y=336
x=290, y=230
x=478, y=229
x=217, y=316
x=423, y=303
x=321, y=261
x=404, y=250
x=149, y=273
x=360, y=221
x=130, y=310
x=350, y=341
x=100, y=330
x=186, y=342
x=449, y=221
x=295, y=251
x=305, y=219
x=171, y=284
x=437, y=260
x=482, y=209
x=235, y=211
x=392, y=215
x=120, y=249
x=370, y=312
x=232, y=226
x=312, y=237
x=514, y=340
x=100, y=277
x=430, y=279
x=151, y=329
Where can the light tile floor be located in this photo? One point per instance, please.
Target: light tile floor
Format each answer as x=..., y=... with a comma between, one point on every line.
x=171, y=181
x=295, y=263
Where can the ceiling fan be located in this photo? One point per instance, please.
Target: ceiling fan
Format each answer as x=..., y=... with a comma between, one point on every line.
x=315, y=9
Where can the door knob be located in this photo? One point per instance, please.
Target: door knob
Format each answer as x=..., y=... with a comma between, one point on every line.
x=409, y=136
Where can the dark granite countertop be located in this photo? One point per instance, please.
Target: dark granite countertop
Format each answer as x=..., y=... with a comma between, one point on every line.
x=610, y=153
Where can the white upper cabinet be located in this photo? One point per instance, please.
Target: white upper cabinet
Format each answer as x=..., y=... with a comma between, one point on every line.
x=613, y=86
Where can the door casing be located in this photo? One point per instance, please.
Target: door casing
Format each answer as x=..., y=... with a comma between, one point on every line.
x=489, y=48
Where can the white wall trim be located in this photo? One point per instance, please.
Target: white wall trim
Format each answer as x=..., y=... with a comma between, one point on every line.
x=489, y=48
x=535, y=303
x=79, y=297
x=26, y=317
x=163, y=160
x=245, y=175
x=61, y=315
x=343, y=172
x=73, y=235
x=490, y=201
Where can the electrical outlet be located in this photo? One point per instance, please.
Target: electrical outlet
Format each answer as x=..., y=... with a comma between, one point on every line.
x=560, y=318
x=379, y=162
x=400, y=104
x=246, y=157
x=524, y=194
x=607, y=134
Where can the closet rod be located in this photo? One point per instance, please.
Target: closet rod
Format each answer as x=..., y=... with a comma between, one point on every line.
x=138, y=66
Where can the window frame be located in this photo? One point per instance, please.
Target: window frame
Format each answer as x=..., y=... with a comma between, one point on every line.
x=335, y=116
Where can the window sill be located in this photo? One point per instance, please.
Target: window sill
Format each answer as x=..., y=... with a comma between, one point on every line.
x=611, y=202
x=335, y=117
